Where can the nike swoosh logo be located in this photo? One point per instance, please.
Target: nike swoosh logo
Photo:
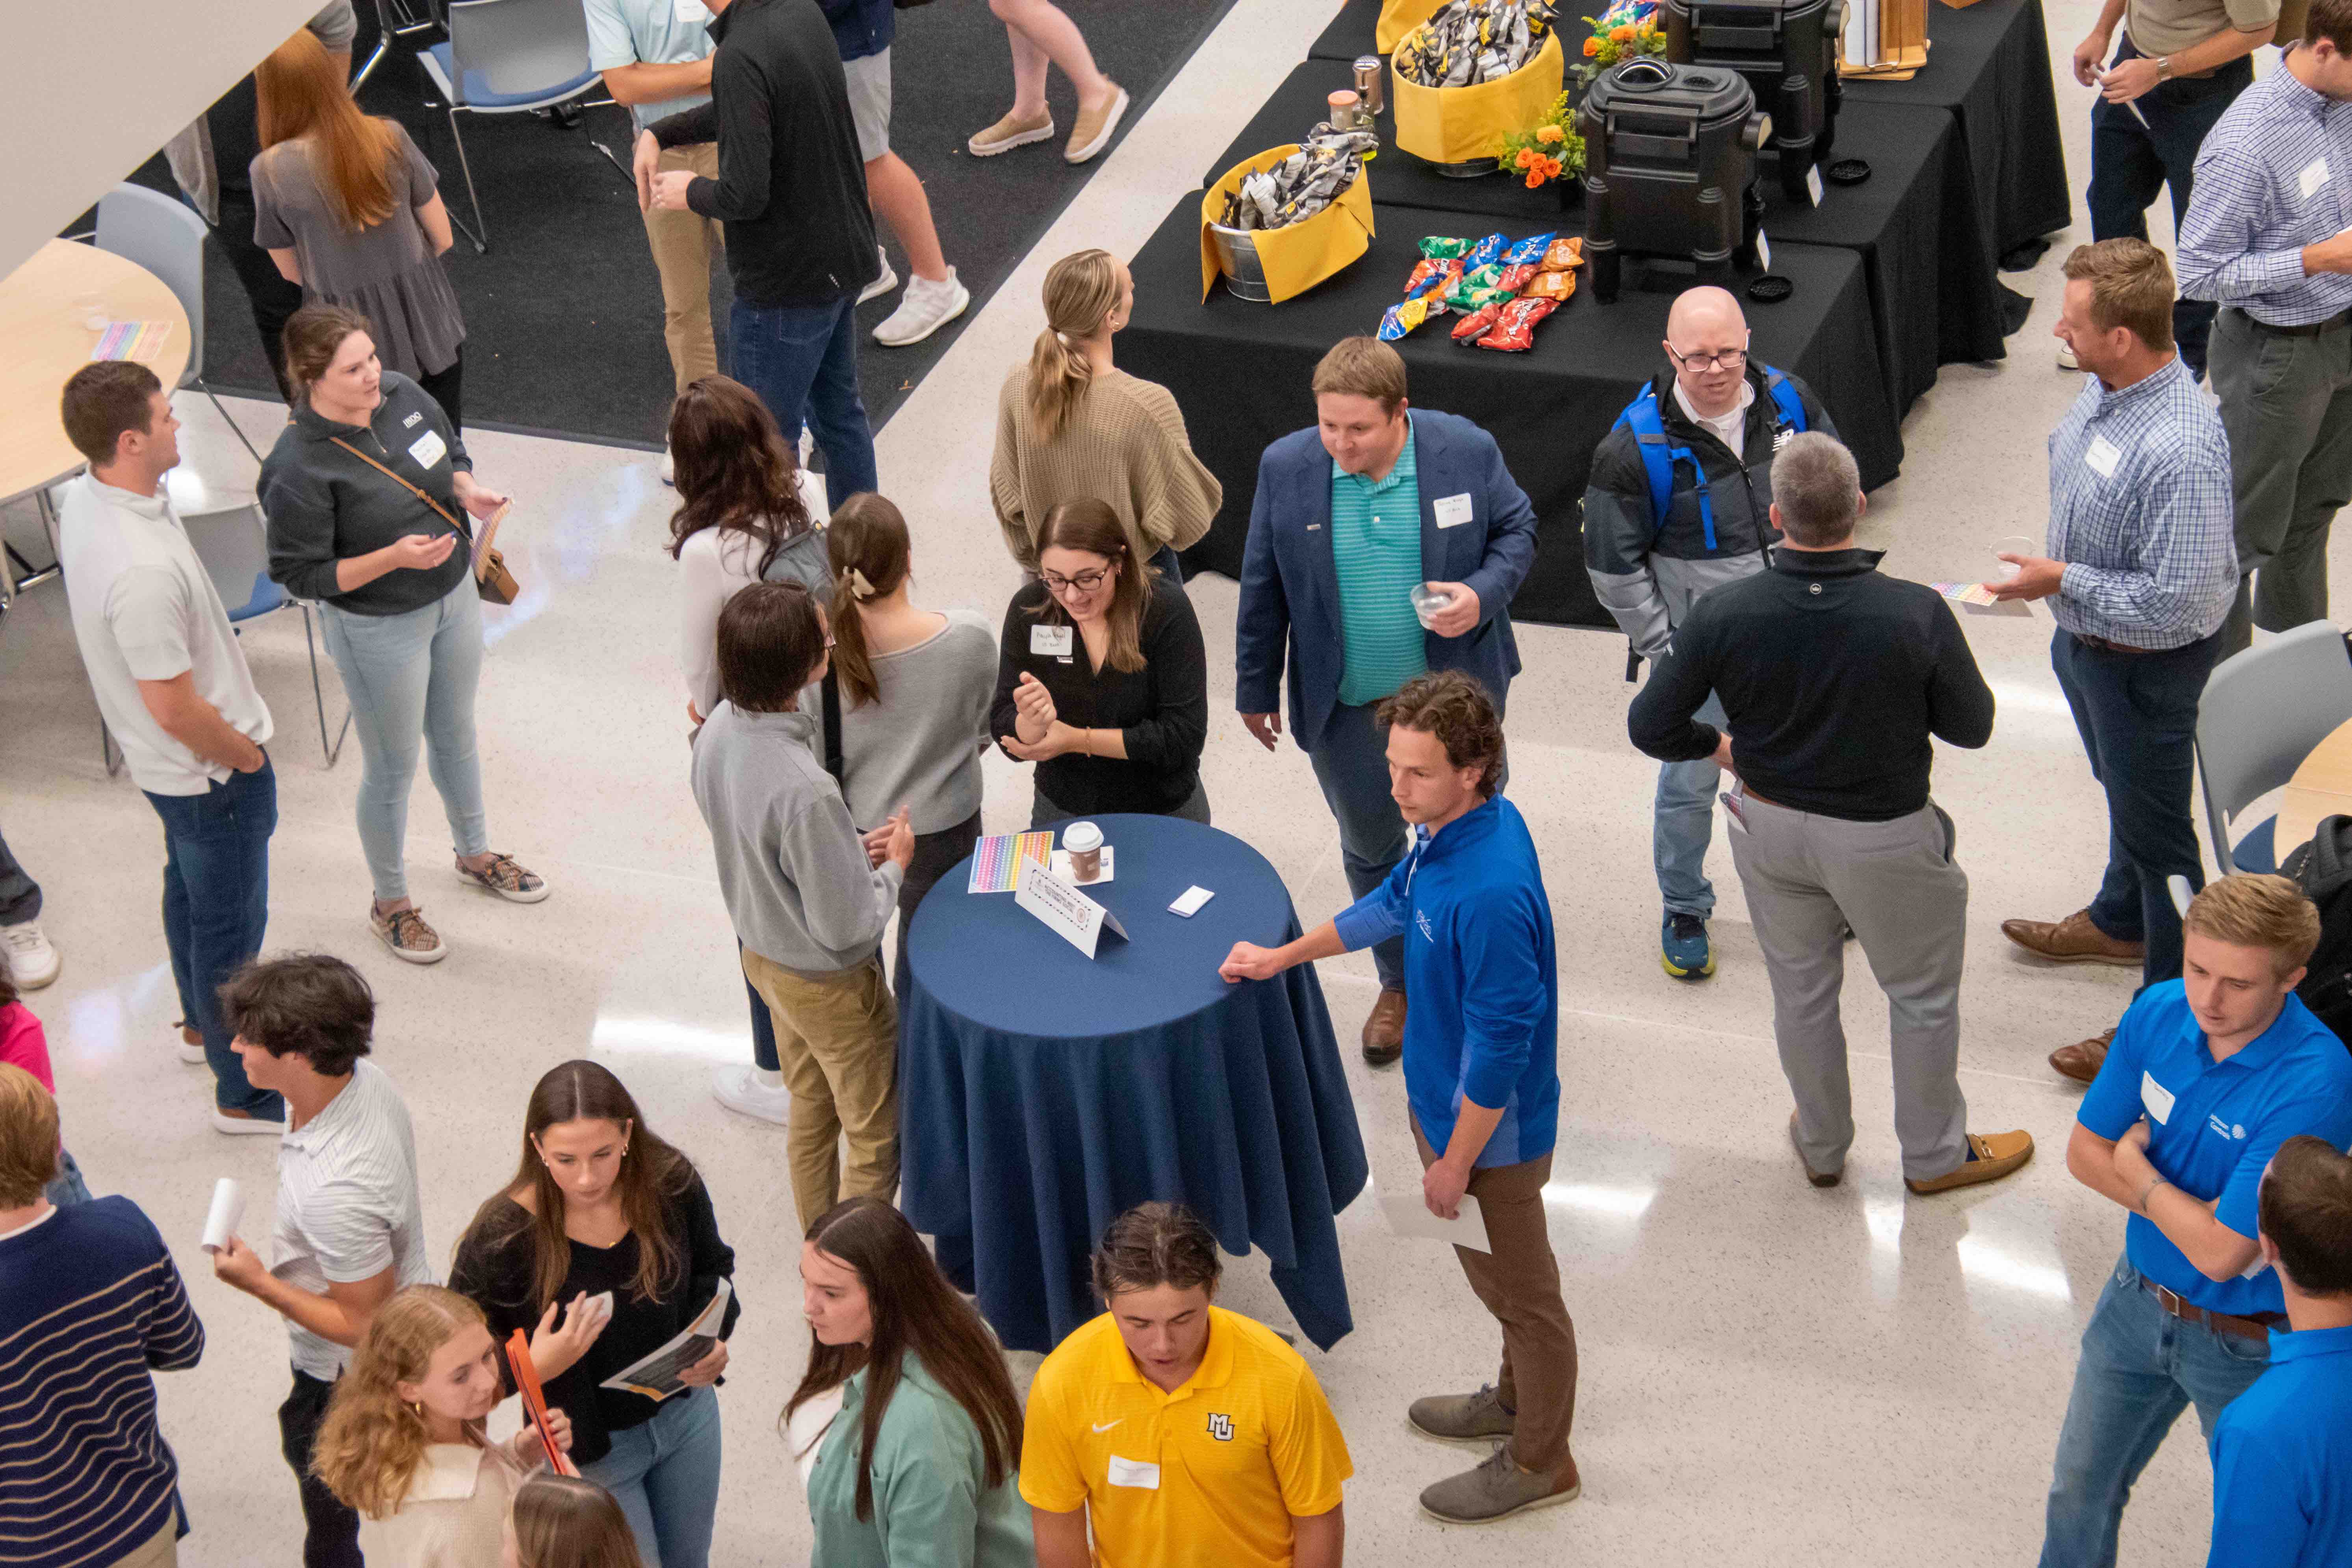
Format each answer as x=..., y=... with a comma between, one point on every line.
x=1107, y=1426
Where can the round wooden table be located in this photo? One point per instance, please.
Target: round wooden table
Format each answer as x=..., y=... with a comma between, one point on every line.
x=43, y=306
x=2321, y=787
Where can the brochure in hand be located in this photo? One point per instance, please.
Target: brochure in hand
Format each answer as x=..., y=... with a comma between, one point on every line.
x=655, y=1375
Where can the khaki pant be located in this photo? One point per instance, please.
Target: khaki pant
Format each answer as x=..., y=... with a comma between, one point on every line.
x=837, y=1040
x=161, y=1549
x=683, y=244
x=1518, y=1282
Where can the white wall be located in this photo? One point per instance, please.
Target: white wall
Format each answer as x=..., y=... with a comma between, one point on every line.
x=98, y=85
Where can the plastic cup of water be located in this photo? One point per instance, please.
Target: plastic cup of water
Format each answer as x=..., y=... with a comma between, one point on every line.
x=1426, y=603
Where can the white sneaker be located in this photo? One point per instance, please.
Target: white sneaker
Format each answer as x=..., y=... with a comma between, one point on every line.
x=191, y=1051
x=669, y=466
x=884, y=284
x=31, y=960
x=740, y=1089
x=2066, y=360
x=927, y=308
x=244, y=1126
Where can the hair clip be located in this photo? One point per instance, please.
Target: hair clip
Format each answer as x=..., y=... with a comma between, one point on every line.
x=859, y=588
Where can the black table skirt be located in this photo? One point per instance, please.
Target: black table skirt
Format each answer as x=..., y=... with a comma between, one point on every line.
x=1990, y=66
x=1349, y=36
x=1935, y=302
x=1240, y=372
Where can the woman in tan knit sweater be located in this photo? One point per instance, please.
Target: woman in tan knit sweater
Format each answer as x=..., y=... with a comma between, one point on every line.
x=1070, y=425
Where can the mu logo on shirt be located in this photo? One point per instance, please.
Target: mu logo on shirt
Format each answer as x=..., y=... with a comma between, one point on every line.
x=1220, y=1427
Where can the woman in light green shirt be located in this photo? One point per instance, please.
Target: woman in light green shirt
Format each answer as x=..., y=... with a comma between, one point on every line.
x=918, y=1469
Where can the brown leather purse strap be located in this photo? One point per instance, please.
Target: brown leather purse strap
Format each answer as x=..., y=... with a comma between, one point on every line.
x=463, y=531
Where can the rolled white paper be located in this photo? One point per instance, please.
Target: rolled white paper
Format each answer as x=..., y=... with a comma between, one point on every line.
x=228, y=1212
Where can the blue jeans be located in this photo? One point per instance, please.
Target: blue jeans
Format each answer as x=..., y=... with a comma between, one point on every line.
x=20, y=896
x=665, y=1476
x=1684, y=821
x=2134, y=155
x=215, y=908
x=2141, y=1366
x=411, y=678
x=2138, y=717
x=803, y=361
x=1351, y=763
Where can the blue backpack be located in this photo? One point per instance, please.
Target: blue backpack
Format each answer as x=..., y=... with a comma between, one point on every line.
x=1659, y=455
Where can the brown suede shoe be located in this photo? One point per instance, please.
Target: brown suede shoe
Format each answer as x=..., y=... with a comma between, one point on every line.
x=1385, y=1030
x=1818, y=1178
x=1992, y=1155
x=2074, y=940
x=2080, y=1061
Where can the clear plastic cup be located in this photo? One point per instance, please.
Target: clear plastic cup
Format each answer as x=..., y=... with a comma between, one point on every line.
x=2013, y=545
x=1426, y=603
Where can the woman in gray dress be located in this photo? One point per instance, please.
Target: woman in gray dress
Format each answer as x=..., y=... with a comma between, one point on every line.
x=350, y=209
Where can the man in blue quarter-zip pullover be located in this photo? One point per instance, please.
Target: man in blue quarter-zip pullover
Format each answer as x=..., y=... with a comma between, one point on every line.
x=1481, y=1073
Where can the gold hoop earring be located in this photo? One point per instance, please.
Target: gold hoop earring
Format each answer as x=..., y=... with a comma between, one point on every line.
x=418, y=1405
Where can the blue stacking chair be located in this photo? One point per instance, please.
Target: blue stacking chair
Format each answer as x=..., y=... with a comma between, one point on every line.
x=508, y=57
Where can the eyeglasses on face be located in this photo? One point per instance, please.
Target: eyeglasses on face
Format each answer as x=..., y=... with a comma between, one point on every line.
x=1729, y=358
x=1084, y=582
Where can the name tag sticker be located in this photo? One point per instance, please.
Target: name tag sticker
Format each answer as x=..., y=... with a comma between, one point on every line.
x=691, y=13
x=2102, y=456
x=2156, y=1097
x=428, y=449
x=1054, y=640
x=1453, y=511
x=1134, y=1473
x=2314, y=175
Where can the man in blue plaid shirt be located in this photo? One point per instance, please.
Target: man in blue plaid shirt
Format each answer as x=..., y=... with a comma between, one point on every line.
x=2266, y=237
x=2141, y=573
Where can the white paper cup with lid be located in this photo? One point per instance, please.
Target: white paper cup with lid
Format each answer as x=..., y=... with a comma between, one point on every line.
x=1083, y=840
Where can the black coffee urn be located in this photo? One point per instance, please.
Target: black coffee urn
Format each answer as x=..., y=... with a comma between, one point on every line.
x=1787, y=50
x=1670, y=155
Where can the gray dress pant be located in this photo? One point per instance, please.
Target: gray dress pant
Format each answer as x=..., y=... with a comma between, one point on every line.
x=2286, y=405
x=1896, y=884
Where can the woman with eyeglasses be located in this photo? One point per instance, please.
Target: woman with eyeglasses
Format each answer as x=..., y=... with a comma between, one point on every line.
x=1101, y=677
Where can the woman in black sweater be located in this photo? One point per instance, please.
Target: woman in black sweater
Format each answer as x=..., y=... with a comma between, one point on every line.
x=601, y=1204
x=1101, y=678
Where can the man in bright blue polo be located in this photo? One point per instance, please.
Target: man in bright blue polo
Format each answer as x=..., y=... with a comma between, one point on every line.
x=1481, y=1074
x=2282, y=1452
x=1377, y=502
x=2209, y=1076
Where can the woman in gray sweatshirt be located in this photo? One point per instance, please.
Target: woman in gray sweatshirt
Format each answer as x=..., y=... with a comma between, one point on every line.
x=367, y=494
x=808, y=899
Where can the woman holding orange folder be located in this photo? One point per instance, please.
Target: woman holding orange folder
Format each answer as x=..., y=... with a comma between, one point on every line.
x=604, y=1248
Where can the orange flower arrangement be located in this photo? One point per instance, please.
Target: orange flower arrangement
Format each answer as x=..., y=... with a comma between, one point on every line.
x=1592, y=48
x=1550, y=150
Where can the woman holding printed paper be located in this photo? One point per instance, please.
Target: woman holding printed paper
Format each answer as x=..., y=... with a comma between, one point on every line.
x=605, y=1250
x=403, y=1445
x=365, y=494
x=1101, y=677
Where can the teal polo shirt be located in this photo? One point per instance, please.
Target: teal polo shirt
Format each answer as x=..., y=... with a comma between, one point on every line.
x=2213, y=1126
x=649, y=32
x=1376, y=548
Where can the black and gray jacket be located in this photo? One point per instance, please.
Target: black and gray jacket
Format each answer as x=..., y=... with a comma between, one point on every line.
x=1648, y=575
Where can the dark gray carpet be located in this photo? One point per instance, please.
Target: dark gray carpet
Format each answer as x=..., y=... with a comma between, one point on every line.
x=563, y=314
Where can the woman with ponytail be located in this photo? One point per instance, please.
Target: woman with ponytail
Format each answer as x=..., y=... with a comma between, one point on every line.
x=402, y=1443
x=1071, y=425
x=912, y=687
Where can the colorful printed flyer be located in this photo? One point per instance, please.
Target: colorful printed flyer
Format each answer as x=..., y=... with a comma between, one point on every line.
x=996, y=861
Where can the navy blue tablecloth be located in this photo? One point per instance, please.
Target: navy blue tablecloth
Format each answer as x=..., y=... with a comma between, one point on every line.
x=1042, y=1094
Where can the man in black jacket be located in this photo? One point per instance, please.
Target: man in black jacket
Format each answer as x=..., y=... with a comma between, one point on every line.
x=800, y=236
x=1832, y=679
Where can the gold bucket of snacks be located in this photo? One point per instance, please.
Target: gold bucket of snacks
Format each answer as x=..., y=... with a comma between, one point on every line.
x=1458, y=129
x=1273, y=264
x=1399, y=17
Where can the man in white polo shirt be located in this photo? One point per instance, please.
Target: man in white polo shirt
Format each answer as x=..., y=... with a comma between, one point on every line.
x=350, y=1230
x=172, y=687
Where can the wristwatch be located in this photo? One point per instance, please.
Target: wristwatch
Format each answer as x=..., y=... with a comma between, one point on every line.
x=2164, y=68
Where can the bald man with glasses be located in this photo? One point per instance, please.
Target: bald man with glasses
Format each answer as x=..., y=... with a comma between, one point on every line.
x=1679, y=502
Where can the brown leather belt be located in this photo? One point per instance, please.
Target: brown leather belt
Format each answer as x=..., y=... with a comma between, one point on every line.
x=2104, y=645
x=2258, y=1328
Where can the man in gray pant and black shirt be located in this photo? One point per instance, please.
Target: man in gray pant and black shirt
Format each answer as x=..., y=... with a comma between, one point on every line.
x=1832, y=679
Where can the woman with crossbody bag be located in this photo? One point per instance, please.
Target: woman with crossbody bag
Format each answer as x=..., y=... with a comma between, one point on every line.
x=367, y=494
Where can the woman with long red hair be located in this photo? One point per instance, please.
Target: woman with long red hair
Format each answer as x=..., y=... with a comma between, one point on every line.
x=350, y=209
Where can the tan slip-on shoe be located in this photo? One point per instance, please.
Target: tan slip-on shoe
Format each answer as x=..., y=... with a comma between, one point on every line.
x=1992, y=1155
x=2081, y=1061
x=1092, y=132
x=1008, y=133
x=2074, y=940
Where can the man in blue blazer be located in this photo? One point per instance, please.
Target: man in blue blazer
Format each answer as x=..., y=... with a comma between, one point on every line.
x=1376, y=503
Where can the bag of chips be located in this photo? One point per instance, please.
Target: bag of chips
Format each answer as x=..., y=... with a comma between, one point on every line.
x=1487, y=252
x=1326, y=162
x=1471, y=41
x=1515, y=325
x=1437, y=248
x=1527, y=252
x=1549, y=285
x=1475, y=325
x=1564, y=254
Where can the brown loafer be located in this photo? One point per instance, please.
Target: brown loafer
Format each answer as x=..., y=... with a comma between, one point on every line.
x=1385, y=1030
x=1818, y=1178
x=2080, y=1061
x=1993, y=1156
x=2074, y=940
